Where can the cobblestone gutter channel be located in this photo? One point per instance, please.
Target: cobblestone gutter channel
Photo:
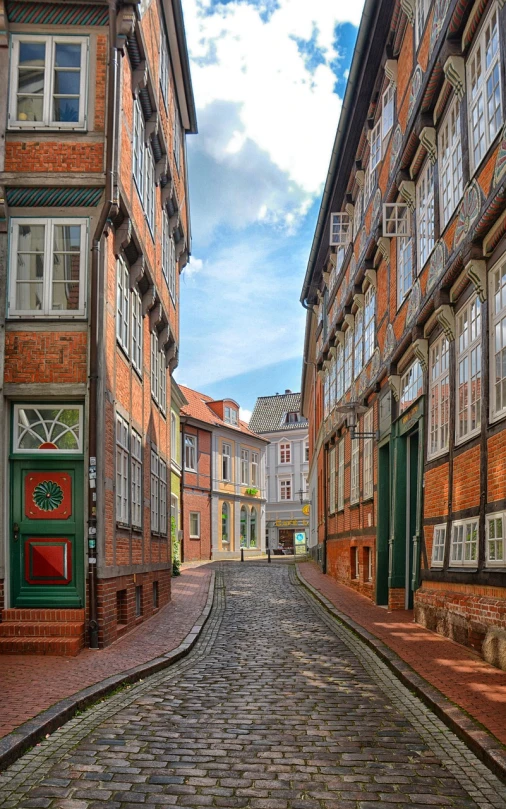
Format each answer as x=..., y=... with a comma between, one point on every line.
x=277, y=706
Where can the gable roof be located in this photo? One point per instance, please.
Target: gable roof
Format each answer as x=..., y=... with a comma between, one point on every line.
x=197, y=408
x=270, y=413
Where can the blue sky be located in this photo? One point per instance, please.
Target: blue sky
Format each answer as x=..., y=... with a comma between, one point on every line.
x=268, y=77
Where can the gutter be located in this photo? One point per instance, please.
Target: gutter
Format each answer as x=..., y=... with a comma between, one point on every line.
x=96, y=277
x=369, y=14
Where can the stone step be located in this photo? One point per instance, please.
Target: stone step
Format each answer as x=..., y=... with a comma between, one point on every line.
x=68, y=647
x=43, y=614
x=18, y=629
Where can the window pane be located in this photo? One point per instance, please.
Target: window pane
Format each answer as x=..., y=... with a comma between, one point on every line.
x=67, y=55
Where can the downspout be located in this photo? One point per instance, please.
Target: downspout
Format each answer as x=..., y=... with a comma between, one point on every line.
x=96, y=277
x=325, y=525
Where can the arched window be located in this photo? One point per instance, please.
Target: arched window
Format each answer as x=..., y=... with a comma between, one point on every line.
x=253, y=528
x=225, y=524
x=244, y=527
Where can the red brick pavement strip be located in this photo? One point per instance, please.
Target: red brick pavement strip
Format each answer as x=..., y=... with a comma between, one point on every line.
x=443, y=673
x=58, y=686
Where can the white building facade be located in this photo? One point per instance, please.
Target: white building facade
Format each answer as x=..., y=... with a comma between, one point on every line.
x=278, y=418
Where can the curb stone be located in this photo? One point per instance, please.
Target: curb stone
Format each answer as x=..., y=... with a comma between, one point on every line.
x=13, y=745
x=485, y=746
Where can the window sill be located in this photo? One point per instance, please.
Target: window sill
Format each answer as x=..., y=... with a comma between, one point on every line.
x=197, y=539
x=369, y=499
x=463, y=568
x=123, y=525
x=355, y=504
x=459, y=442
x=437, y=455
x=137, y=529
x=436, y=566
x=19, y=126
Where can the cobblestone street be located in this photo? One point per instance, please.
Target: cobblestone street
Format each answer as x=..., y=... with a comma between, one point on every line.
x=277, y=707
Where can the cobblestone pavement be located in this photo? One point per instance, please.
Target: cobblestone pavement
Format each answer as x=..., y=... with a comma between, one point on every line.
x=277, y=707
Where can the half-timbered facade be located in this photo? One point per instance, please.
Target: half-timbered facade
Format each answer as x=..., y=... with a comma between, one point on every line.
x=95, y=104
x=404, y=380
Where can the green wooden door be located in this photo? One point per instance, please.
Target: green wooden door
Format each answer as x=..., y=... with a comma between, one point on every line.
x=47, y=533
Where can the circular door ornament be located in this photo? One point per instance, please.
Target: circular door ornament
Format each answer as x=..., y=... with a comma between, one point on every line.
x=47, y=495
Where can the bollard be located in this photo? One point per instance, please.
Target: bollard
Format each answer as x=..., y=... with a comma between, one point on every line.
x=242, y=554
x=269, y=555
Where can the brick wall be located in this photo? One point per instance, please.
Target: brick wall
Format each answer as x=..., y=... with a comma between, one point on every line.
x=108, y=602
x=46, y=357
x=199, y=501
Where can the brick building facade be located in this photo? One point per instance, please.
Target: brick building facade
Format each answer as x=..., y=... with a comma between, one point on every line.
x=224, y=482
x=404, y=381
x=94, y=108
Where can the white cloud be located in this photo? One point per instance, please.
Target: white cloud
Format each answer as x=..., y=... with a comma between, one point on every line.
x=259, y=91
x=194, y=266
x=245, y=415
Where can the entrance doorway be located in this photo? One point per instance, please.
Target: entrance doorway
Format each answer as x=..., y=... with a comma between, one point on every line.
x=412, y=494
x=286, y=539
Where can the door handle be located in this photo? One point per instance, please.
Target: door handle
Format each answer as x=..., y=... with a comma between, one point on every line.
x=15, y=529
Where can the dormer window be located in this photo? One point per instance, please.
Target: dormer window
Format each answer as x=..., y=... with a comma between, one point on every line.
x=230, y=415
x=291, y=418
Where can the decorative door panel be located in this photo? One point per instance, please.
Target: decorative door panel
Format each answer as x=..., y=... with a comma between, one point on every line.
x=48, y=496
x=48, y=561
x=47, y=532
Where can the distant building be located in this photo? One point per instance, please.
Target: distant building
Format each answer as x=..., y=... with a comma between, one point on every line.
x=278, y=418
x=177, y=401
x=223, y=481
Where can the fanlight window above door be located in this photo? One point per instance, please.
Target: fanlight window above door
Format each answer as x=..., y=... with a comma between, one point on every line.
x=46, y=428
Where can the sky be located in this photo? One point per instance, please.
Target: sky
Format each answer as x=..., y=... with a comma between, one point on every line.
x=268, y=78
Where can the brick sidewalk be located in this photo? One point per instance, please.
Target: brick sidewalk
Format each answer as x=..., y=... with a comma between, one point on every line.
x=32, y=683
x=457, y=672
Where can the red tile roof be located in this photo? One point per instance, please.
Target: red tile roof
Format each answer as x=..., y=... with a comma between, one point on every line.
x=197, y=408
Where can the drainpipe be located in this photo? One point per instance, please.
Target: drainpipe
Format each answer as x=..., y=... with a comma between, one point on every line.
x=325, y=526
x=96, y=277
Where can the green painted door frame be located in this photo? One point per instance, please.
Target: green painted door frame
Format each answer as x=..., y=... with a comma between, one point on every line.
x=47, y=532
x=406, y=447
x=383, y=530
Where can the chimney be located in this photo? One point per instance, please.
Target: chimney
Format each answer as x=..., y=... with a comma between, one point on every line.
x=288, y=391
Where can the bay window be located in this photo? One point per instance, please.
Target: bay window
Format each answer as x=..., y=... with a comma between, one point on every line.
x=439, y=396
x=484, y=89
x=468, y=350
x=450, y=161
x=425, y=213
x=48, y=82
x=498, y=340
x=47, y=267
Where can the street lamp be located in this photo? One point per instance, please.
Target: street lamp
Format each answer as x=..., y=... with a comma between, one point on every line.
x=352, y=410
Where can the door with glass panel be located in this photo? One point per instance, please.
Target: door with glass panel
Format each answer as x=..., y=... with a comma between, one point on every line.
x=46, y=506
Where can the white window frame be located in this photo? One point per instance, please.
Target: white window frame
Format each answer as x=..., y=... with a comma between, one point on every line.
x=136, y=478
x=468, y=361
x=355, y=565
x=177, y=138
x=358, y=343
x=285, y=452
x=478, y=79
x=439, y=397
x=122, y=471
x=492, y=560
x=244, y=467
x=397, y=220
x=348, y=359
x=158, y=374
x=164, y=68
x=47, y=259
x=497, y=282
x=425, y=213
x=387, y=112
x=370, y=176
x=254, y=470
x=339, y=372
x=230, y=415
x=340, y=475
x=162, y=490
x=53, y=428
x=123, y=305
x=226, y=462
x=358, y=213
x=332, y=480
x=149, y=188
x=451, y=184
x=136, y=351
x=369, y=323
x=368, y=450
x=409, y=386
x=306, y=451
x=355, y=472
x=375, y=157
x=190, y=453
x=340, y=229
x=405, y=268
x=422, y=8
x=155, y=493
x=467, y=527
x=139, y=149
x=51, y=42
x=438, y=546
x=194, y=534
x=285, y=488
